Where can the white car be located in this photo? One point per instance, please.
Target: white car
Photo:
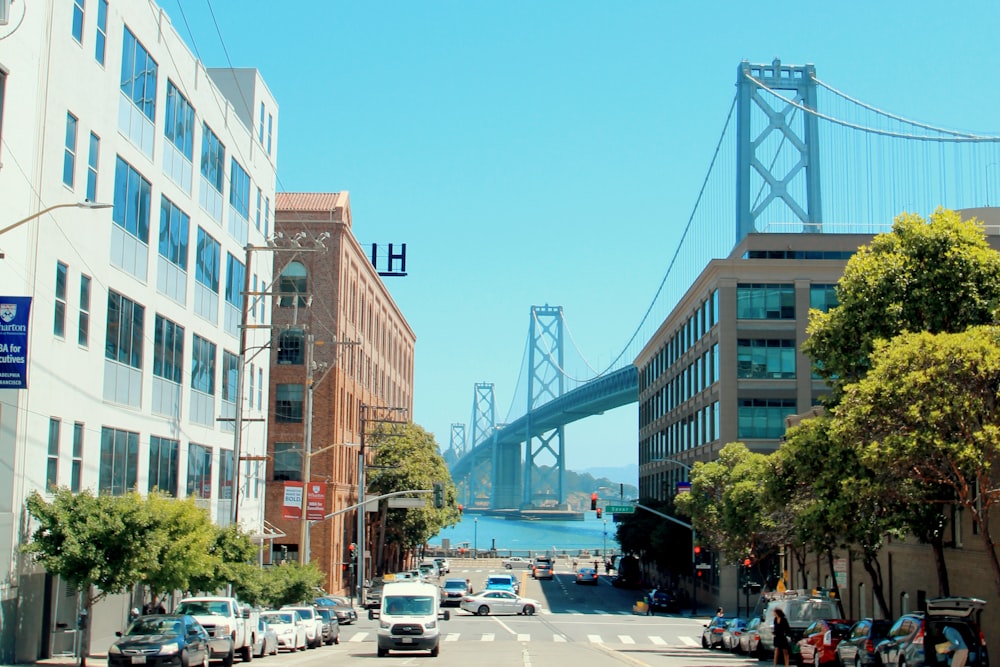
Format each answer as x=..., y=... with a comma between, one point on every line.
x=314, y=625
x=444, y=567
x=516, y=562
x=291, y=631
x=499, y=602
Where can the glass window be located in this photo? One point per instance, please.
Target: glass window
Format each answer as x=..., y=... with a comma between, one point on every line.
x=203, y=365
x=83, y=330
x=288, y=403
x=101, y=43
x=765, y=302
x=225, y=474
x=138, y=80
x=260, y=387
x=290, y=347
x=78, y=20
x=178, y=126
x=288, y=461
x=132, y=200
x=164, y=464
x=235, y=276
x=763, y=418
x=174, y=225
x=267, y=215
x=270, y=125
x=59, y=316
x=774, y=359
x=260, y=200
x=168, y=350
x=230, y=368
x=52, y=468
x=293, y=280
x=207, y=261
x=199, y=478
x=124, y=332
x=260, y=130
x=119, y=461
x=823, y=297
x=239, y=190
x=69, y=154
x=213, y=158
x=92, y=160
x=76, y=470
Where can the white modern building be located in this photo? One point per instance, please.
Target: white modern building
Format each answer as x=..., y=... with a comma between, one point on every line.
x=133, y=340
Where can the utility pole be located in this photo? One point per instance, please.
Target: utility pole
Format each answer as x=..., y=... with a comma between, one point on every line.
x=307, y=462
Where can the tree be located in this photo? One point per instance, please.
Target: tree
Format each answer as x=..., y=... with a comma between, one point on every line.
x=184, y=538
x=928, y=411
x=407, y=458
x=231, y=548
x=938, y=276
x=654, y=539
x=97, y=544
x=290, y=583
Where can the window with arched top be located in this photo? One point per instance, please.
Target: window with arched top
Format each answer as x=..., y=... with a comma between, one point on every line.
x=290, y=347
x=293, y=280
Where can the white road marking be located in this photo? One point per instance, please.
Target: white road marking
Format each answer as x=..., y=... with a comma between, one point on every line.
x=659, y=641
x=358, y=637
x=626, y=639
x=595, y=639
x=487, y=637
x=559, y=639
x=521, y=637
x=452, y=636
x=688, y=641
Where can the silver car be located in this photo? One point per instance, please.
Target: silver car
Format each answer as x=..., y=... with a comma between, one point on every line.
x=499, y=602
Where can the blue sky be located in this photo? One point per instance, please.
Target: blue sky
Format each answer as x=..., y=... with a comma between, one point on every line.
x=549, y=152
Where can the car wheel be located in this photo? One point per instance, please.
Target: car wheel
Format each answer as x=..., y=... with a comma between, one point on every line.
x=435, y=651
x=857, y=661
x=228, y=660
x=483, y=610
x=382, y=652
x=529, y=609
x=336, y=640
x=246, y=653
x=704, y=642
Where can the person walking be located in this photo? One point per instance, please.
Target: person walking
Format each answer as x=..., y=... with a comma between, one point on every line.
x=782, y=636
x=154, y=606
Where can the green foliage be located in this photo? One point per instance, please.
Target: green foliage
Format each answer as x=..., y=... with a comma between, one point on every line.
x=725, y=502
x=230, y=547
x=938, y=276
x=654, y=539
x=407, y=458
x=107, y=542
x=184, y=536
x=288, y=583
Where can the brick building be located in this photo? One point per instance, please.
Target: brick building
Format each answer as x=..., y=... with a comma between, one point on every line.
x=335, y=303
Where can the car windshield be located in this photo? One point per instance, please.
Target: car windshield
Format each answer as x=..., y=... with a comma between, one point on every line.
x=498, y=581
x=156, y=625
x=203, y=608
x=279, y=618
x=456, y=584
x=408, y=605
x=801, y=611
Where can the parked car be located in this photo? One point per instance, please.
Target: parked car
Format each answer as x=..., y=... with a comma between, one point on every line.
x=711, y=636
x=663, y=600
x=502, y=582
x=331, y=627
x=750, y=639
x=177, y=640
x=224, y=617
x=314, y=627
x=586, y=575
x=857, y=649
x=267, y=640
x=341, y=607
x=444, y=567
x=517, y=563
x=731, y=634
x=949, y=628
x=801, y=609
x=818, y=645
x=290, y=628
x=429, y=569
x=452, y=592
x=499, y=602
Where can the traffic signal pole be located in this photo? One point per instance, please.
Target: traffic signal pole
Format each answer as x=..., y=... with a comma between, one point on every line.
x=694, y=553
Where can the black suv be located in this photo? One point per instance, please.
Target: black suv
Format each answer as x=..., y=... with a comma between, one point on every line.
x=948, y=630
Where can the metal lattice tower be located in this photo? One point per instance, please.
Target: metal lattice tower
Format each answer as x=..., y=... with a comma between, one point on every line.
x=457, y=440
x=483, y=413
x=778, y=147
x=546, y=382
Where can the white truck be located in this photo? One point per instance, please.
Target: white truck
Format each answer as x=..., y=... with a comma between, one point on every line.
x=224, y=618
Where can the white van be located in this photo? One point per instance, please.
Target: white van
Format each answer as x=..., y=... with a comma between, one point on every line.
x=408, y=617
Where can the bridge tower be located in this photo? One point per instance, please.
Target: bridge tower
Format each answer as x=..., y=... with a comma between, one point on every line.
x=456, y=450
x=777, y=152
x=546, y=382
x=457, y=440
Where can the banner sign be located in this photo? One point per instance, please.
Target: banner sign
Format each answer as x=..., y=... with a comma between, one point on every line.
x=14, y=312
x=291, y=508
x=316, y=501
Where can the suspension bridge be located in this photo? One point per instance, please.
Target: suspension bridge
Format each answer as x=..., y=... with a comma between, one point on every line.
x=804, y=157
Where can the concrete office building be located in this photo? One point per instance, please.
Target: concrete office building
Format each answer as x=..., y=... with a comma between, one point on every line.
x=134, y=331
x=331, y=306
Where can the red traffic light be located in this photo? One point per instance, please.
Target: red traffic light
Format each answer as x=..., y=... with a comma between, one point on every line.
x=599, y=512
x=593, y=501
x=746, y=562
x=697, y=550
x=350, y=547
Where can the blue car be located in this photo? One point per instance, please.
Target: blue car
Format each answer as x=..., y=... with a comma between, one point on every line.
x=502, y=582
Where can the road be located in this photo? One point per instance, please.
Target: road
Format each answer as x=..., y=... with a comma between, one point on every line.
x=577, y=626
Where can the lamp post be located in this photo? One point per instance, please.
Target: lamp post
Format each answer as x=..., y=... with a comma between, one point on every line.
x=475, y=537
x=78, y=204
x=605, y=552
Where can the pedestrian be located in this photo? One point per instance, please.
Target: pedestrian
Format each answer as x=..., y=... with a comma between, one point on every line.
x=468, y=585
x=154, y=606
x=720, y=613
x=782, y=635
x=649, y=603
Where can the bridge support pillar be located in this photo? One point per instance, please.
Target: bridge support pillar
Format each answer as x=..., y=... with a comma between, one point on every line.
x=506, y=476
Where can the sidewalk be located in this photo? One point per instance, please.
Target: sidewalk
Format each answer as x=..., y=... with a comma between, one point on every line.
x=68, y=661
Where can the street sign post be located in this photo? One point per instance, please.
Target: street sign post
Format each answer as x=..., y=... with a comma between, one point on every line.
x=620, y=509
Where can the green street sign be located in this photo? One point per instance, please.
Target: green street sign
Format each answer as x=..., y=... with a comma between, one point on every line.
x=620, y=509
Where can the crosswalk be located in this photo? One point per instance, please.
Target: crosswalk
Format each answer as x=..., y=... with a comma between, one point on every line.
x=627, y=640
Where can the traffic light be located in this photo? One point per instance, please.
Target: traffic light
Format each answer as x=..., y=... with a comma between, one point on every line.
x=697, y=561
x=593, y=501
x=438, y=495
x=599, y=512
x=461, y=510
x=352, y=551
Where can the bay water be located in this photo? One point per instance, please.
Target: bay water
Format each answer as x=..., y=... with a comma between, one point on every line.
x=519, y=537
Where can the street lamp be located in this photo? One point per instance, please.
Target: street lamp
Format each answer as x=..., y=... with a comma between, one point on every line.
x=605, y=552
x=475, y=537
x=79, y=204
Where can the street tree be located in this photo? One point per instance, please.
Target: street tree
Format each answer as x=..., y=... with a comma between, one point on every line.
x=288, y=583
x=230, y=551
x=928, y=411
x=98, y=545
x=407, y=458
x=936, y=275
x=654, y=539
x=184, y=537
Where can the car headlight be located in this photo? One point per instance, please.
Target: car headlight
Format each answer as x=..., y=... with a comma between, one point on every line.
x=172, y=647
x=385, y=625
x=115, y=649
x=287, y=632
x=222, y=630
x=431, y=625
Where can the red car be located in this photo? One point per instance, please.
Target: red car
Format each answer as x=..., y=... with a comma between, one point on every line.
x=818, y=645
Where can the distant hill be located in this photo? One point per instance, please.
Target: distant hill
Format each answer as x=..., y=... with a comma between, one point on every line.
x=627, y=475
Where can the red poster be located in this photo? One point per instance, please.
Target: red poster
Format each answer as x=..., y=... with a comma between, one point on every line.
x=291, y=508
x=316, y=501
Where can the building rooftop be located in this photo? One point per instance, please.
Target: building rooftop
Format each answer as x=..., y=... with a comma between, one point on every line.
x=310, y=201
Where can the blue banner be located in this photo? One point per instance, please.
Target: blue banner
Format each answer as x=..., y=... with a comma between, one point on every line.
x=14, y=312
